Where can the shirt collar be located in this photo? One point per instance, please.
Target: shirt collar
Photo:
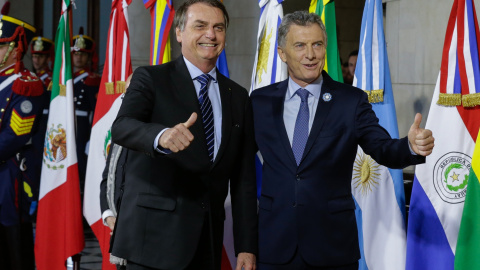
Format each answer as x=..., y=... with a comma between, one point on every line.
x=195, y=71
x=313, y=88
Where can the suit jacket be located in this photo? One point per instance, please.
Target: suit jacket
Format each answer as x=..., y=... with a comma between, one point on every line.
x=115, y=169
x=310, y=206
x=167, y=197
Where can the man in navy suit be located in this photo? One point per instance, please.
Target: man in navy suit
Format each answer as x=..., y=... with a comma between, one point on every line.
x=307, y=129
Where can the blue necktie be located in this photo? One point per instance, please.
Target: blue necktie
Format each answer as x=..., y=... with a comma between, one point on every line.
x=207, y=112
x=300, y=134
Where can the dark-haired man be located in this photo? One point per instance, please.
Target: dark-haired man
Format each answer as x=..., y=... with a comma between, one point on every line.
x=189, y=131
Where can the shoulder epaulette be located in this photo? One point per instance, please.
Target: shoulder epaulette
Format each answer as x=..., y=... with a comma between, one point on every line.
x=93, y=79
x=28, y=85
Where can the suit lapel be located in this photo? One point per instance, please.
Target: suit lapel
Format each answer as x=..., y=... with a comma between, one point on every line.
x=226, y=98
x=320, y=115
x=278, y=103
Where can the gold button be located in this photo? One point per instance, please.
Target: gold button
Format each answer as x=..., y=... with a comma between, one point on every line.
x=8, y=99
x=2, y=110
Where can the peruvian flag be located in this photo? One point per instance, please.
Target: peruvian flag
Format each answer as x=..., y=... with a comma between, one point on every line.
x=59, y=221
x=117, y=68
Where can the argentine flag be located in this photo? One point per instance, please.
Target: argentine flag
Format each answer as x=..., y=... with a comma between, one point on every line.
x=440, y=184
x=377, y=190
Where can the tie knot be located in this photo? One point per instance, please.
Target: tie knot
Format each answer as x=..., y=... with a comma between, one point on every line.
x=303, y=94
x=204, y=79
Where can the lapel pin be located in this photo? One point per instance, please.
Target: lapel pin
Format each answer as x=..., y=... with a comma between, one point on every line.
x=327, y=97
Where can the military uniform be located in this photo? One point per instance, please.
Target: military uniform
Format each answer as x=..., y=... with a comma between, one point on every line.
x=45, y=46
x=21, y=104
x=85, y=87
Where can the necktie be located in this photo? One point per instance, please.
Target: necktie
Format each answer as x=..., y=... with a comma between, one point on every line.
x=207, y=112
x=300, y=134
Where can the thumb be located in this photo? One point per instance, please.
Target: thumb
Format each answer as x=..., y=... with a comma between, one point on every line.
x=417, y=121
x=191, y=120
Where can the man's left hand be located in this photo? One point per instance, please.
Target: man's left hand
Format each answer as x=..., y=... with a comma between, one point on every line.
x=246, y=261
x=421, y=140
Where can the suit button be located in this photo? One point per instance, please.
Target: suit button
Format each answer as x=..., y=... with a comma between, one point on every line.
x=298, y=177
x=294, y=204
x=204, y=205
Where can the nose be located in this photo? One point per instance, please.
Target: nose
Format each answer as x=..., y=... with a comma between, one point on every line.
x=310, y=53
x=210, y=33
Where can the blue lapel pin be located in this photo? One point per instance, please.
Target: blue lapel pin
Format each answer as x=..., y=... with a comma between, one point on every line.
x=327, y=97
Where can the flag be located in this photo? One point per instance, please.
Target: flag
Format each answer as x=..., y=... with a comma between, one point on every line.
x=440, y=184
x=59, y=232
x=467, y=255
x=162, y=14
x=268, y=67
x=117, y=68
x=229, y=261
x=377, y=190
x=326, y=10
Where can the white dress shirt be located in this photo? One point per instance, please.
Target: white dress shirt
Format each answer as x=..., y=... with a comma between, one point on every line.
x=292, y=104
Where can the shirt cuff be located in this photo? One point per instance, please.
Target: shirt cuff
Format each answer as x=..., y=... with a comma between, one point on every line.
x=410, y=147
x=157, y=147
x=107, y=213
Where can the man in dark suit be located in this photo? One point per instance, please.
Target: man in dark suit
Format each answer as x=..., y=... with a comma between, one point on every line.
x=177, y=174
x=307, y=129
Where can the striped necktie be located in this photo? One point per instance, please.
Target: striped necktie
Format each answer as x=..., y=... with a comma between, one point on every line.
x=207, y=112
x=300, y=133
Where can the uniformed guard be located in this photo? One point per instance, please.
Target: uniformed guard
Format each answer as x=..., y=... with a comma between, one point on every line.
x=42, y=52
x=20, y=106
x=85, y=86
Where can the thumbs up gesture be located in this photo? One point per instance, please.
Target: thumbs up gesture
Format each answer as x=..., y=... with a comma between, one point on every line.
x=179, y=137
x=421, y=140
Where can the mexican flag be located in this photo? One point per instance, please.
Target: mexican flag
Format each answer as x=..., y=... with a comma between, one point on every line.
x=59, y=232
x=117, y=68
x=326, y=10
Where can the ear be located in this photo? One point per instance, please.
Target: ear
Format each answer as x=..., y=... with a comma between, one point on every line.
x=282, y=55
x=178, y=33
x=14, y=52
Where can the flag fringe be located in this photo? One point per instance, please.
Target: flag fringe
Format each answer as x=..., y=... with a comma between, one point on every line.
x=109, y=88
x=63, y=90
x=449, y=99
x=375, y=96
x=120, y=87
x=471, y=100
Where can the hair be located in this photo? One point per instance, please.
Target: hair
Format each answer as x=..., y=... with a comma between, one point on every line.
x=181, y=14
x=353, y=53
x=301, y=18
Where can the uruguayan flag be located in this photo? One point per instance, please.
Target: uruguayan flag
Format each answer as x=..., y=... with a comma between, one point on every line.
x=268, y=67
x=378, y=191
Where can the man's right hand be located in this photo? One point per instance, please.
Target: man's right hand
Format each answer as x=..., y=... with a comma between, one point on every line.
x=179, y=137
x=111, y=222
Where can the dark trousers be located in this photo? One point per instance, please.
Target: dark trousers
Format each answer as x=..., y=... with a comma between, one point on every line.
x=297, y=263
x=16, y=247
x=202, y=260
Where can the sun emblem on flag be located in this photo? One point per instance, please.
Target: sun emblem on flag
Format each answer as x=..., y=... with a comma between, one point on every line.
x=263, y=54
x=107, y=143
x=365, y=173
x=55, y=147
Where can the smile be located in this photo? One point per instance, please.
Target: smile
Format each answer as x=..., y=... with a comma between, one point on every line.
x=208, y=45
x=310, y=65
